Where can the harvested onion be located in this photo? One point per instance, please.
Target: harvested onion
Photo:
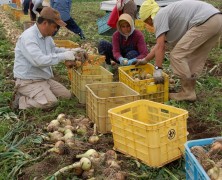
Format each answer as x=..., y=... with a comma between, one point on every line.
x=94, y=138
x=89, y=153
x=53, y=126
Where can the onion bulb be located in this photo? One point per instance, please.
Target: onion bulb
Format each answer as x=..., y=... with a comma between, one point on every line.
x=213, y=173
x=68, y=135
x=71, y=143
x=59, y=147
x=89, y=153
x=110, y=154
x=61, y=117
x=53, y=126
x=66, y=122
x=94, y=138
x=85, y=163
x=55, y=136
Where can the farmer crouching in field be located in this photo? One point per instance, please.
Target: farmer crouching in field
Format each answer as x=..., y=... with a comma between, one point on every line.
x=35, y=53
x=193, y=28
x=127, y=45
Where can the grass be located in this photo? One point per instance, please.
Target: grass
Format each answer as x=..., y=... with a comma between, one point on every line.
x=19, y=130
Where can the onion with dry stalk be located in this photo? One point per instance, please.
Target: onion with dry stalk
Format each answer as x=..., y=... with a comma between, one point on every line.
x=89, y=153
x=84, y=163
x=94, y=138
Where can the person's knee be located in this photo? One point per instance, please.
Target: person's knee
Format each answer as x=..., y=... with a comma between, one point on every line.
x=132, y=54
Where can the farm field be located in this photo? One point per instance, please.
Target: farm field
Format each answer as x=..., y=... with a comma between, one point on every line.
x=24, y=148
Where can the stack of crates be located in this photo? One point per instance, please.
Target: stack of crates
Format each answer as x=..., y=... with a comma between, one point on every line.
x=88, y=75
x=103, y=28
x=146, y=87
x=153, y=132
x=101, y=97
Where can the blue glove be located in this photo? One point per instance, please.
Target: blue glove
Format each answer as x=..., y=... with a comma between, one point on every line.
x=122, y=61
x=131, y=61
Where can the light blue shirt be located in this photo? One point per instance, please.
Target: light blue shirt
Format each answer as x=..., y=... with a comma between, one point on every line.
x=63, y=6
x=35, y=54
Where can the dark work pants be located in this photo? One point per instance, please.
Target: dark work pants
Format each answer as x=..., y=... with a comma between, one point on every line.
x=72, y=26
x=26, y=6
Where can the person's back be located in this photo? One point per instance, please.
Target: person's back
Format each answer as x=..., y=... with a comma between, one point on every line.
x=63, y=6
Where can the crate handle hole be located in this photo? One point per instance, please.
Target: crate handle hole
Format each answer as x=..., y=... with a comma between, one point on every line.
x=164, y=111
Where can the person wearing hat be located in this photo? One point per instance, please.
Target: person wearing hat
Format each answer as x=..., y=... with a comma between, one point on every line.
x=192, y=28
x=128, y=44
x=64, y=8
x=35, y=54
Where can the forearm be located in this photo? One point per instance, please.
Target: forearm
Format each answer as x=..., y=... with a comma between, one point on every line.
x=159, y=55
x=151, y=55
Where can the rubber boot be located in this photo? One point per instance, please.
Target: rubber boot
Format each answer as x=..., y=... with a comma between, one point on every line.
x=187, y=92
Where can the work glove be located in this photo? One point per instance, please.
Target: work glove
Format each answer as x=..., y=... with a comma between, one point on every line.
x=158, y=77
x=68, y=55
x=140, y=62
x=37, y=15
x=131, y=61
x=123, y=61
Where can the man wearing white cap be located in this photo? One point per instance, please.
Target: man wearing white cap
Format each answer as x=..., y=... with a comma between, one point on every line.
x=193, y=28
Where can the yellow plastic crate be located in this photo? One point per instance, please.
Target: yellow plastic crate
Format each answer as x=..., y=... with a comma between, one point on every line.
x=153, y=132
x=66, y=43
x=139, y=24
x=101, y=97
x=147, y=88
x=89, y=75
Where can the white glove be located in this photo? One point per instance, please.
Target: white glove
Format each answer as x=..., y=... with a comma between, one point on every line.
x=37, y=15
x=68, y=55
x=77, y=50
x=157, y=75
